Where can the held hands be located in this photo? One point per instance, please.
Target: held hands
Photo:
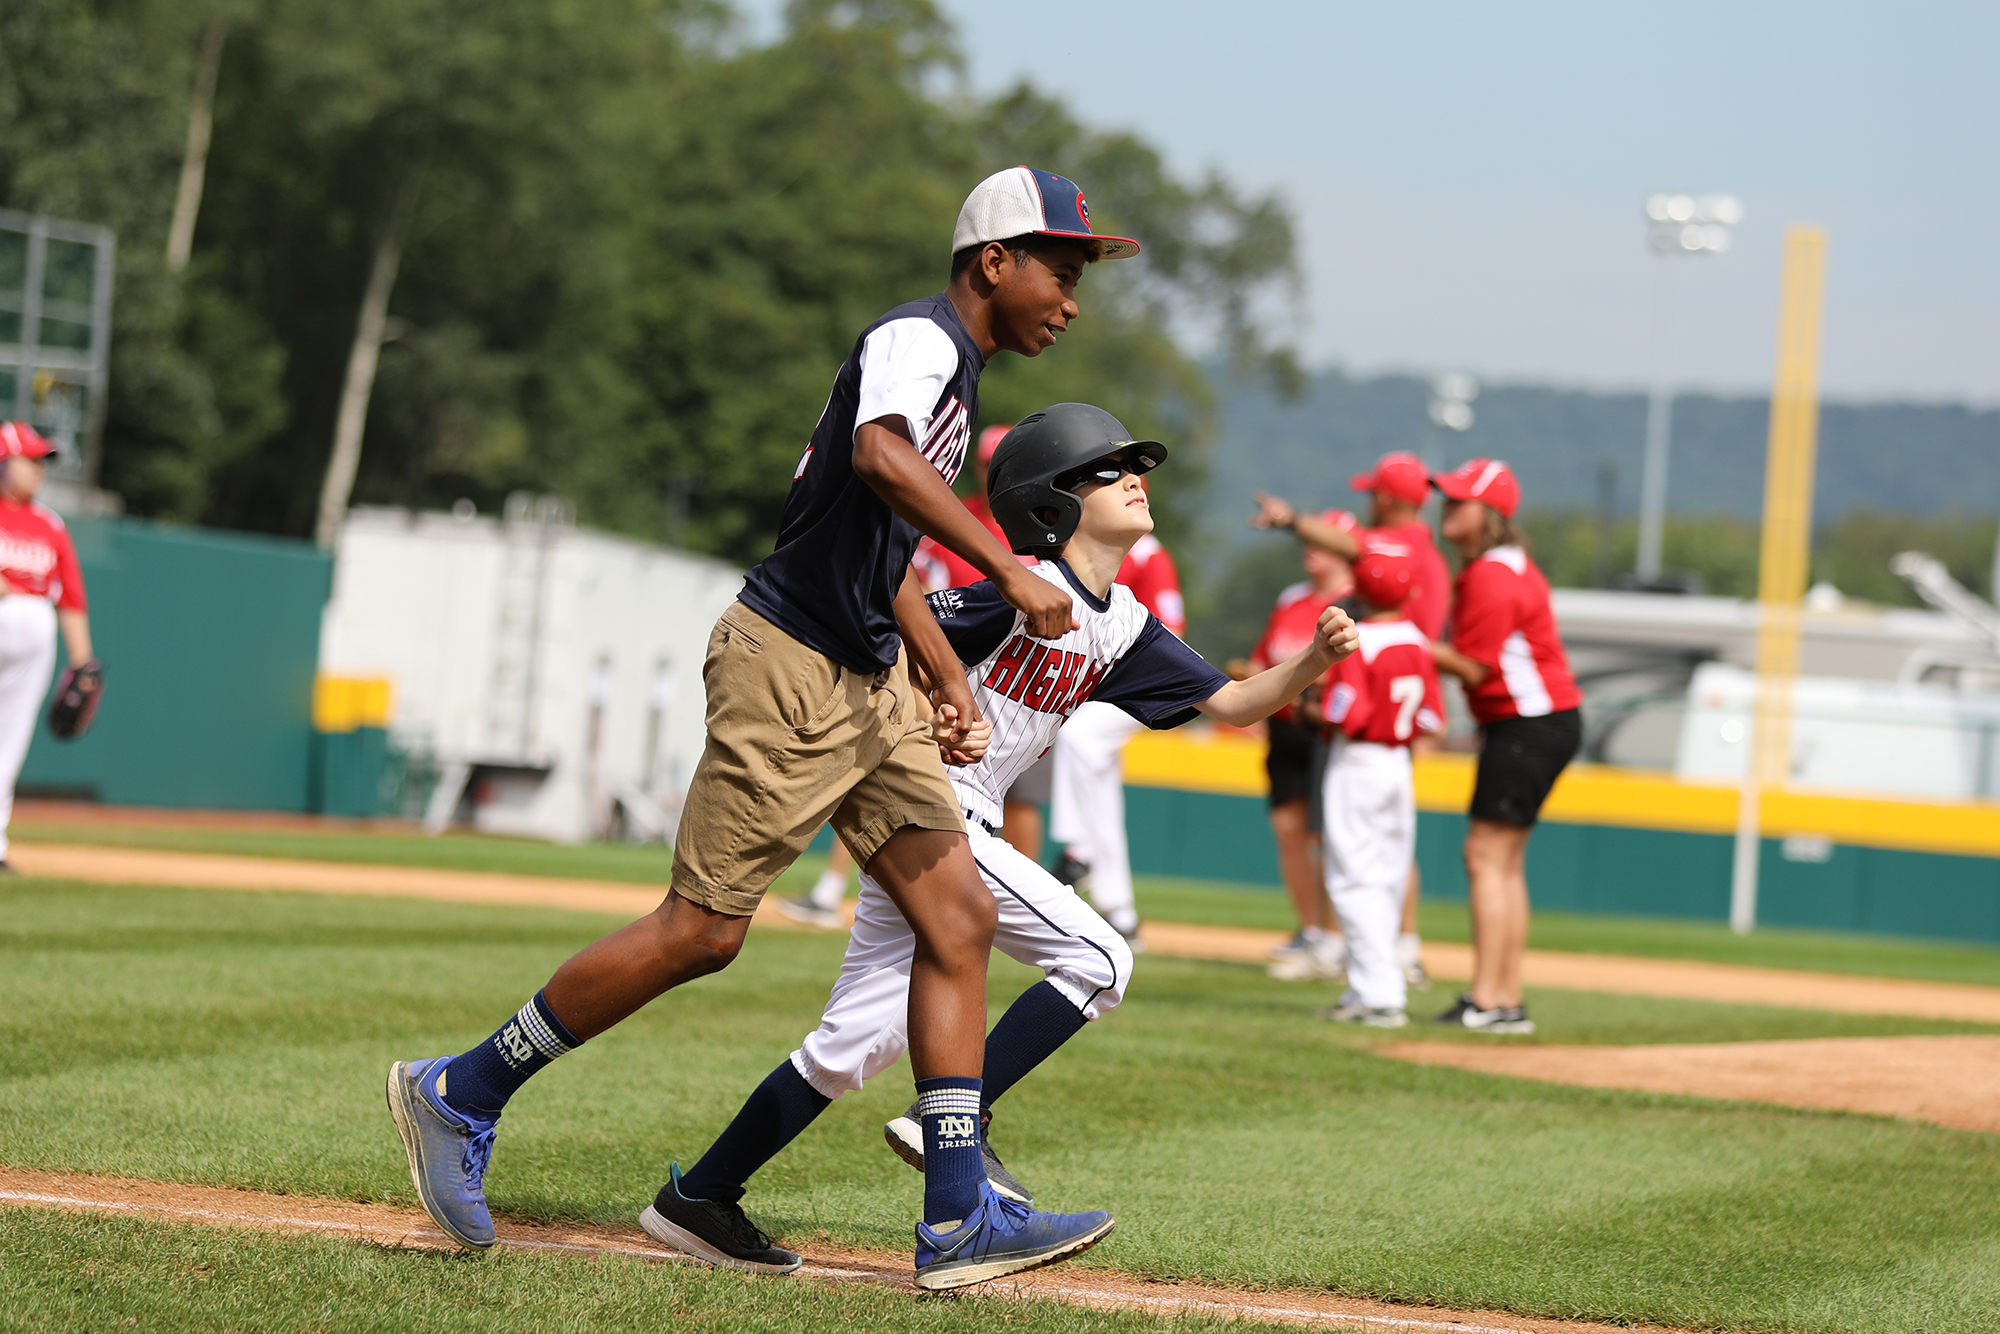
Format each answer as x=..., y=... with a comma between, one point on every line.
x=1335, y=636
x=1048, y=608
x=1272, y=512
x=959, y=742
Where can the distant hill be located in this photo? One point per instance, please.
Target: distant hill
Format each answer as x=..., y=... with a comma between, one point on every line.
x=1910, y=458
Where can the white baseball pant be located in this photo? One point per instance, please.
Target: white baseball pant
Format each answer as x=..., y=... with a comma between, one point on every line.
x=27, y=660
x=1370, y=840
x=865, y=1028
x=1087, y=803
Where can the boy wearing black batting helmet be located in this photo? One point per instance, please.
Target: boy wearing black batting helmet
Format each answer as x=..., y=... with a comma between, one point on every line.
x=813, y=716
x=1064, y=486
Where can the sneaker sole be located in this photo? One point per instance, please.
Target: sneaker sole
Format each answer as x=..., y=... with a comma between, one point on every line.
x=688, y=1244
x=937, y=1280
x=1517, y=1026
x=819, y=917
x=397, y=1090
x=905, y=1139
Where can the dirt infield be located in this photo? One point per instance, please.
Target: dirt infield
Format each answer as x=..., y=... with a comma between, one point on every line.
x=1947, y=1081
x=1681, y=979
x=400, y=1227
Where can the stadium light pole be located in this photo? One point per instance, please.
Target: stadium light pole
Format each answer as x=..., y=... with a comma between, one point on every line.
x=1450, y=410
x=1676, y=225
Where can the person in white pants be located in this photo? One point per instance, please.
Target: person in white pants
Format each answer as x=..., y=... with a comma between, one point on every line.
x=41, y=588
x=1087, y=794
x=1378, y=700
x=1087, y=809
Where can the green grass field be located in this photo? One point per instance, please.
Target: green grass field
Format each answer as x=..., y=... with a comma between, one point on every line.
x=1162, y=898
x=240, y=1039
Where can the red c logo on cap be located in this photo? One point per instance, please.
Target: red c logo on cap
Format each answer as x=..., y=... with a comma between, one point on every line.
x=1083, y=209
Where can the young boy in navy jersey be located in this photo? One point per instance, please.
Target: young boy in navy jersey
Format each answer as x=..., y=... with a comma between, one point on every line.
x=1070, y=467
x=813, y=715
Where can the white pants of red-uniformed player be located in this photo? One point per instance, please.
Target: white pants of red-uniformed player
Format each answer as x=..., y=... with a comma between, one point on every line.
x=865, y=1027
x=1087, y=800
x=1370, y=841
x=27, y=659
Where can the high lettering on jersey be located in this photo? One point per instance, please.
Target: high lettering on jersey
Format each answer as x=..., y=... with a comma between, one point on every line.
x=1025, y=687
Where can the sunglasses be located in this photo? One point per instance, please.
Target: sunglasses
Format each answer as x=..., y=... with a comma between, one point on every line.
x=1104, y=470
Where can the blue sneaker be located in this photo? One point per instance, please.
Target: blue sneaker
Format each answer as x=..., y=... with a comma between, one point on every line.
x=1003, y=1237
x=448, y=1152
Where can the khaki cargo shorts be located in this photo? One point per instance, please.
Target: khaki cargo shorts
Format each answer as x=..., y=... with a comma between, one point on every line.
x=795, y=739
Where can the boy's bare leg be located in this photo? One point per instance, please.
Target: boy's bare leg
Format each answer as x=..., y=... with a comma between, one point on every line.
x=619, y=975
x=930, y=876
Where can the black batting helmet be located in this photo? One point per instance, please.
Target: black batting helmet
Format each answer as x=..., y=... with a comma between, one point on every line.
x=1031, y=484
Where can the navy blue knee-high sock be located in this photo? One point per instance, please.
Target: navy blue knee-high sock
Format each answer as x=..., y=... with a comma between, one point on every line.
x=480, y=1081
x=1039, y=1021
x=949, y=1109
x=772, y=1117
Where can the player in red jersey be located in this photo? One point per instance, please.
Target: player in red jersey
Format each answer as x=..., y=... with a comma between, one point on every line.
x=1378, y=700
x=1295, y=762
x=1087, y=803
x=938, y=567
x=1398, y=486
x=1505, y=648
x=41, y=588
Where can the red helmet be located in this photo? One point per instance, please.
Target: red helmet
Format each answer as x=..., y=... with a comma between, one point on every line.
x=18, y=440
x=1385, y=573
x=1488, y=481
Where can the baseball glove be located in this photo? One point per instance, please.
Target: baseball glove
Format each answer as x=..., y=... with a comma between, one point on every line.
x=77, y=697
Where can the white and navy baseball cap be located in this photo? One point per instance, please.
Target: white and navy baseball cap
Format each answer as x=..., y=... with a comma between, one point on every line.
x=1022, y=201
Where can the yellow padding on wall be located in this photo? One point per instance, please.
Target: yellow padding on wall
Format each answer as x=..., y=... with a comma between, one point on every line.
x=1233, y=763
x=343, y=703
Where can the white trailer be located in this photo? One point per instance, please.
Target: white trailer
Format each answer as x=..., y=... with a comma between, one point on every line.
x=551, y=673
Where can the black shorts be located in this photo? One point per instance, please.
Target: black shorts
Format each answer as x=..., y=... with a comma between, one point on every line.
x=1295, y=764
x=1520, y=761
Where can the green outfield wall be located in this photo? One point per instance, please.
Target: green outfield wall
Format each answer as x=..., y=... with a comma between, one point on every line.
x=210, y=641
x=1613, y=842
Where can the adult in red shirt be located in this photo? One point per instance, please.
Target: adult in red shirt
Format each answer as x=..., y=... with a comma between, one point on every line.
x=1295, y=759
x=1398, y=485
x=1505, y=649
x=41, y=588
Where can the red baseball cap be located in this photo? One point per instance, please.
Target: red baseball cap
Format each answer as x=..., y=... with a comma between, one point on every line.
x=1385, y=573
x=18, y=440
x=989, y=440
x=1488, y=481
x=1402, y=475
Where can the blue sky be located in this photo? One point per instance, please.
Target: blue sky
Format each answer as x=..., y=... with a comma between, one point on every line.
x=1468, y=178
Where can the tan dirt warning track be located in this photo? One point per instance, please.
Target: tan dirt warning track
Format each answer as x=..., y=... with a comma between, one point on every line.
x=1677, y=978
x=1947, y=1081
x=403, y=1227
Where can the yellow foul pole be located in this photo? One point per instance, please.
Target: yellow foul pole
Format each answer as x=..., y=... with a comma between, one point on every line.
x=1787, y=547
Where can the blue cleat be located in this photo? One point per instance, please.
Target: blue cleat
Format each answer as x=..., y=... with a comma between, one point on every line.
x=1003, y=1237
x=448, y=1152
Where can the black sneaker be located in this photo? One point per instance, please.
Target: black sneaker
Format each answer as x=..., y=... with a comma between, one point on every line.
x=905, y=1135
x=713, y=1231
x=1465, y=1013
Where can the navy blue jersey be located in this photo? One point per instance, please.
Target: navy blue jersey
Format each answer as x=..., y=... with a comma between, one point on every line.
x=1119, y=653
x=831, y=581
